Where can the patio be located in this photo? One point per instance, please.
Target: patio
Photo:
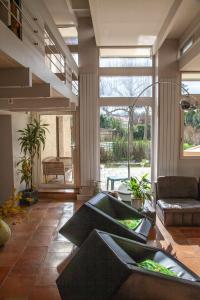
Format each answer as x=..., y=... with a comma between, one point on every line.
x=122, y=172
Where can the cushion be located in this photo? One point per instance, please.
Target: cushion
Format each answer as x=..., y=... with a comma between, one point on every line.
x=177, y=187
x=182, y=205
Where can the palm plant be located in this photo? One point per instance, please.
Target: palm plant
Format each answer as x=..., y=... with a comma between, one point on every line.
x=31, y=139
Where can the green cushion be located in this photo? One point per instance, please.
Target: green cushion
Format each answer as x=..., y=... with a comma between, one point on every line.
x=131, y=223
x=156, y=267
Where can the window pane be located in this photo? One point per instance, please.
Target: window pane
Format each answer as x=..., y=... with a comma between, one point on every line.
x=125, y=62
x=192, y=86
x=191, y=141
x=125, y=86
x=125, y=57
x=114, y=143
x=75, y=57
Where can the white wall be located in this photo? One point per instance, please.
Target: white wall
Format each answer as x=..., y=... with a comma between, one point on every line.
x=18, y=121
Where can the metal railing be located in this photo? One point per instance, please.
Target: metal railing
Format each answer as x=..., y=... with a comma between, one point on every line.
x=56, y=58
x=75, y=87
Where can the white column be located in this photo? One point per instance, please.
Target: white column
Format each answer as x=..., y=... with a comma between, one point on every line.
x=168, y=133
x=89, y=115
x=168, y=111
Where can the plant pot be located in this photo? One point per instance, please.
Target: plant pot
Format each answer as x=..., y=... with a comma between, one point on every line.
x=137, y=203
x=5, y=232
x=29, y=197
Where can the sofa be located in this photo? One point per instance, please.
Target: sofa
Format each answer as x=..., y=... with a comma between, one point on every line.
x=103, y=212
x=178, y=201
x=106, y=267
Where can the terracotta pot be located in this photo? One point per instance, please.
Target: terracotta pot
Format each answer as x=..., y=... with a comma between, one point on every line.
x=137, y=203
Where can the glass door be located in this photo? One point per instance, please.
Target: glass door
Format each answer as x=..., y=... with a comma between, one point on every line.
x=114, y=143
x=58, y=156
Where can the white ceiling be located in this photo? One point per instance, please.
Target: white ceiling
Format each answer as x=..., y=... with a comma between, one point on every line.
x=60, y=11
x=128, y=22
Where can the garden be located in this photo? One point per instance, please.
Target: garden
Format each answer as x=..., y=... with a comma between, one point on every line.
x=114, y=141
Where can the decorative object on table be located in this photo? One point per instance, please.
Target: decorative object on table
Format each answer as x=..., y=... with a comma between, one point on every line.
x=140, y=189
x=110, y=269
x=31, y=140
x=124, y=194
x=103, y=212
x=5, y=233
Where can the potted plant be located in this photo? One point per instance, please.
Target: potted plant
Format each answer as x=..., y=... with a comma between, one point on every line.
x=31, y=140
x=140, y=189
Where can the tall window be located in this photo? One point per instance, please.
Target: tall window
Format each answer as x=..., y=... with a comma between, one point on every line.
x=123, y=74
x=191, y=119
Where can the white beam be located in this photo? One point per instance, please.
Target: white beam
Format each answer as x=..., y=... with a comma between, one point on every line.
x=13, y=77
x=167, y=25
x=34, y=104
x=36, y=91
x=124, y=101
x=148, y=71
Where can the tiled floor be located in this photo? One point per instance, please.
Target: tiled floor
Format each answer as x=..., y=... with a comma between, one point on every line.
x=28, y=262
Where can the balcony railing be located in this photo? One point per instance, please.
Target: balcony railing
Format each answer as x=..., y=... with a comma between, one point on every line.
x=20, y=20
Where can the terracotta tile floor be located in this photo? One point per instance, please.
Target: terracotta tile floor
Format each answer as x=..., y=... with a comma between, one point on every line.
x=28, y=262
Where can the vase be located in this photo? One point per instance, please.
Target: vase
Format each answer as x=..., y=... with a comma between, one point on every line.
x=29, y=197
x=137, y=203
x=5, y=232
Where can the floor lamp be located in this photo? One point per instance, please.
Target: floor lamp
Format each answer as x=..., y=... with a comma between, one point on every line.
x=188, y=102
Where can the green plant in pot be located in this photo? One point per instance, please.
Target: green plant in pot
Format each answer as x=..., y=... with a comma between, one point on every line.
x=140, y=189
x=32, y=140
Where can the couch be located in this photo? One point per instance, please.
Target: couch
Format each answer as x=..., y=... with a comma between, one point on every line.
x=103, y=212
x=106, y=267
x=178, y=201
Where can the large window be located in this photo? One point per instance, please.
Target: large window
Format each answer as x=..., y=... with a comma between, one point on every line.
x=191, y=119
x=191, y=81
x=191, y=134
x=124, y=86
x=125, y=57
x=114, y=142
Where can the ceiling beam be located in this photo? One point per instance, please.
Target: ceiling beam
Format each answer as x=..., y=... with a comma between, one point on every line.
x=74, y=18
x=13, y=77
x=167, y=25
x=36, y=91
x=34, y=104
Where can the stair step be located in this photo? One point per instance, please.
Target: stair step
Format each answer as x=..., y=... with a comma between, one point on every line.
x=60, y=194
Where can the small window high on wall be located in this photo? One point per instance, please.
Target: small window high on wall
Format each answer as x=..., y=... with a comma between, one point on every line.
x=125, y=57
x=191, y=119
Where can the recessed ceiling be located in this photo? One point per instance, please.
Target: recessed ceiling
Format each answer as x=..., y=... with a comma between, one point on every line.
x=128, y=22
x=59, y=9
